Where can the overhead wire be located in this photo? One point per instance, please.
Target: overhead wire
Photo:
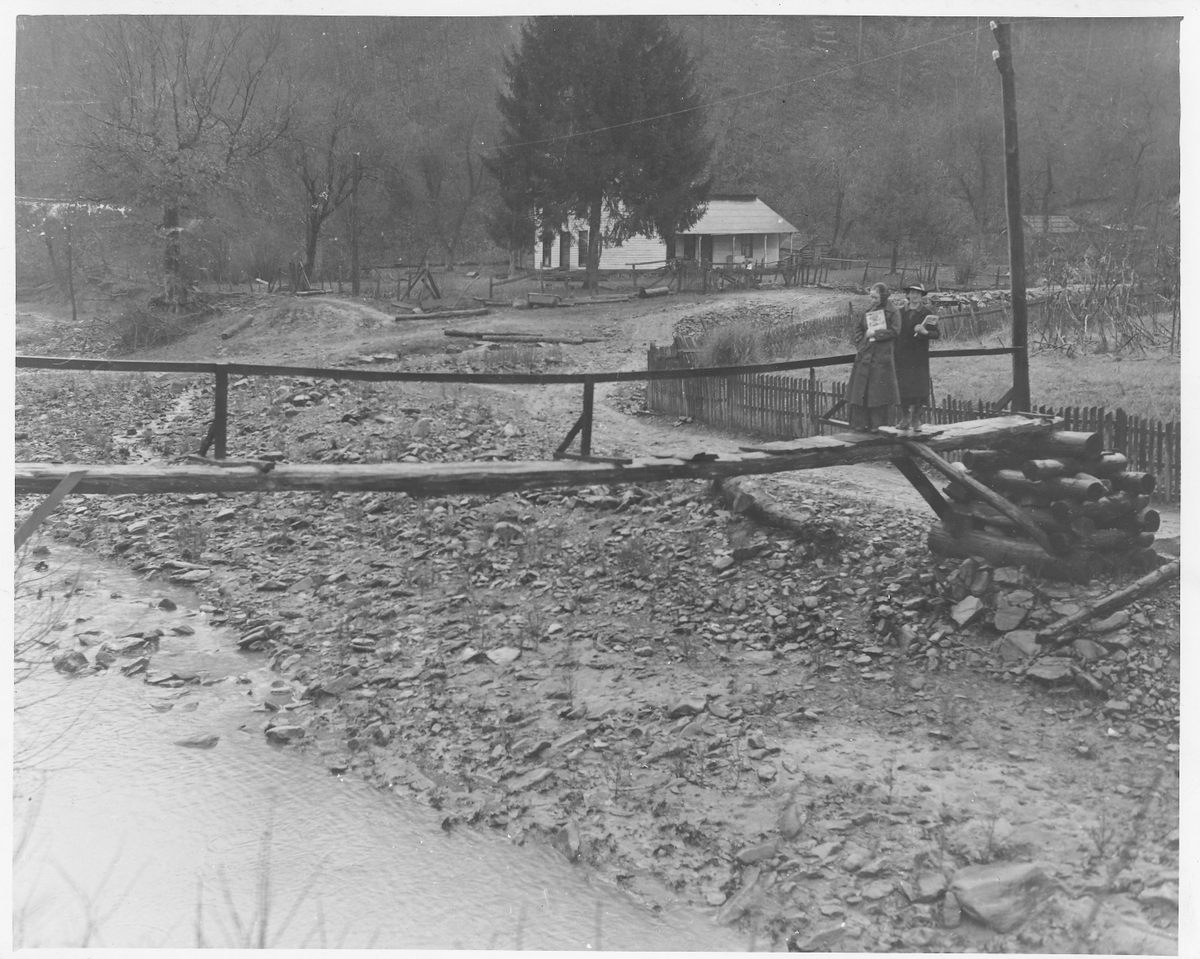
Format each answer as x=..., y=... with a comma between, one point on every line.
x=721, y=101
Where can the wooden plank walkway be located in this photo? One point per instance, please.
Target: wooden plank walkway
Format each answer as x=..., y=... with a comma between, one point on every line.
x=491, y=478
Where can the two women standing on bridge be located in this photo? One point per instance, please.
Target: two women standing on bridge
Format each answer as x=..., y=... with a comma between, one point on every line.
x=873, y=389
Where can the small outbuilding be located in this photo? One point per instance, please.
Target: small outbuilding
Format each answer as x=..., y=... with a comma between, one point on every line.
x=735, y=229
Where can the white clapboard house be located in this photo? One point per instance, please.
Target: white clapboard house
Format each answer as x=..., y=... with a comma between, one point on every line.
x=734, y=229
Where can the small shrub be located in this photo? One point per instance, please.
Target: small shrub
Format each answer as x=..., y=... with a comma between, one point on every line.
x=733, y=344
x=140, y=328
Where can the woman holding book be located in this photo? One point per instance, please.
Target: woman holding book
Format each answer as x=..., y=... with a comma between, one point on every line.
x=873, y=391
x=918, y=325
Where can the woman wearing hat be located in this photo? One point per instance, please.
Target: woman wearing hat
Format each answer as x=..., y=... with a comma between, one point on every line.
x=918, y=325
x=872, y=391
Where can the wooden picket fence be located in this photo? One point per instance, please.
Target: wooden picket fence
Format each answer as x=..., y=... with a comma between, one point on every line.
x=786, y=406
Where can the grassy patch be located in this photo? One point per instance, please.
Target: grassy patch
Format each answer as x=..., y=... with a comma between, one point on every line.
x=1145, y=385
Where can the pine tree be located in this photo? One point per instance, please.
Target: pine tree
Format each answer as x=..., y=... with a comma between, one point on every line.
x=602, y=116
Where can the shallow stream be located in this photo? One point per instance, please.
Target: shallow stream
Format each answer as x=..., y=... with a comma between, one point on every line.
x=124, y=838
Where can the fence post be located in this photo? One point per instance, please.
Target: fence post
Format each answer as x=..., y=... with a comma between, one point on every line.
x=220, y=412
x=585, y=438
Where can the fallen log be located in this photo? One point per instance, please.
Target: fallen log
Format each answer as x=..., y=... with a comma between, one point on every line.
x=1133, y=482
x=1074, y=528
x=442, y=314
x=236, y=328
x=1077, y=566
x=499, y=336
x=963, y=519
x=985, y=461
x=1066, y=443
x=743, y=498
x=1049, y=636
x=1106, y=510
x=1081, y=487
x=653, y=291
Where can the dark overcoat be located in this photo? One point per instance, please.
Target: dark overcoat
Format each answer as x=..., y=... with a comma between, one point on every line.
x=873, y=379
x=912, y=356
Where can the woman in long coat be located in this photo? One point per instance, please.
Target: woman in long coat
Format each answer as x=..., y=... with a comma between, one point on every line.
x=918, y=325
x=873, y=391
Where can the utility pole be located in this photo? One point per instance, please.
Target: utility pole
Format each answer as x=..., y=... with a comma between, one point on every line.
x=354, y=226
x=1016, y=228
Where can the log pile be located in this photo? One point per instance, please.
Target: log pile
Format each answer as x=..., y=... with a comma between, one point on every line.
x=1092, y=513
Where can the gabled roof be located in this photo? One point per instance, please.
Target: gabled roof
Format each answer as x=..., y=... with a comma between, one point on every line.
x=738, y=214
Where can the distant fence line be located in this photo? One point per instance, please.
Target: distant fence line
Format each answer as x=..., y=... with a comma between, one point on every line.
x=787, y=406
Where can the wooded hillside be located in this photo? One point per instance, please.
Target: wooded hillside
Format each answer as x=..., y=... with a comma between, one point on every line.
x=870, y=132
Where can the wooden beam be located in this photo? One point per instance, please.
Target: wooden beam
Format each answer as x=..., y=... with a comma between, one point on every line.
x=912, y=472
x=494, y=477
x=1022, y=519
x=44, y=509
x=1110, y=603
x=1078, y=566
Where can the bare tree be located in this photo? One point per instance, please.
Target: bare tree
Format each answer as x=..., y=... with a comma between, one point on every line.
x=180, y=103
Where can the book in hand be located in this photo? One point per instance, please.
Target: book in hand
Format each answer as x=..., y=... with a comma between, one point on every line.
x=876, y=322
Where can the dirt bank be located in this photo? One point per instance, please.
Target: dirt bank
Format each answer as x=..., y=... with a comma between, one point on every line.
x=792, y=732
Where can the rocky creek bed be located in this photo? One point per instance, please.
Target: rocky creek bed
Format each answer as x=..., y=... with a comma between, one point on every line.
x=824, y=737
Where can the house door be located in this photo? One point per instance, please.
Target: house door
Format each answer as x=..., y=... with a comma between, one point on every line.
x=706, y=248
x=689, y=248
x=564, y=251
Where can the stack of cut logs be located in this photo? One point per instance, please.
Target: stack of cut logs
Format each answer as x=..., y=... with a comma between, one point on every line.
x=1092, y=512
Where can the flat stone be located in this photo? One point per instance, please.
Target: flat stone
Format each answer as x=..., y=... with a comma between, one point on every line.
x=687, y=707
x=285, y=733
x=951, y=911
x=879, y=889
x=967, y=610
x=722, y=563
x=1109, y=624
x=981, y=582
x=929, y=886
x=199, y=741
x=1007, y=618
x=1017, y=645
x=1117, y=641
x=1089, y=651
x=1052, y=670
x=71, y=661
x=1018, y=597
x=999, y=895
x=530, y=779
x=1007, y=576
x=757, y=853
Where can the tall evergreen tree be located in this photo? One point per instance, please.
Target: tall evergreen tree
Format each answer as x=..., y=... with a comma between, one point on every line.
x=601, y=116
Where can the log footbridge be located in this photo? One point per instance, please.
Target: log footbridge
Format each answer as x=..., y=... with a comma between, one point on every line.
x=498, y=476
x=1016, y=507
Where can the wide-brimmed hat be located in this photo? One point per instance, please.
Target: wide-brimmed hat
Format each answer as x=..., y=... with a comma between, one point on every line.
x=916, y=286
